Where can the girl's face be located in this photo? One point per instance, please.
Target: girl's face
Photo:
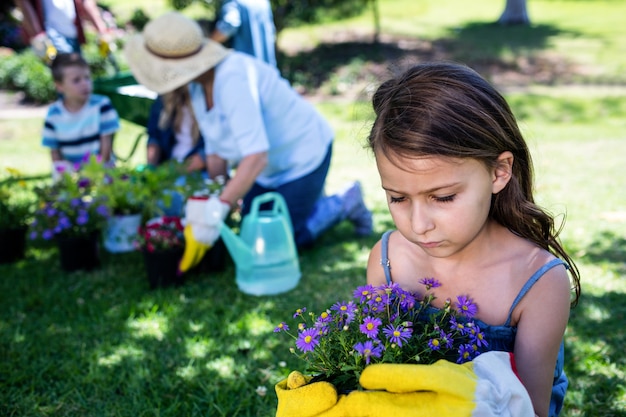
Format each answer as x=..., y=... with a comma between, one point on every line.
x=76, y=85
x=441, y=204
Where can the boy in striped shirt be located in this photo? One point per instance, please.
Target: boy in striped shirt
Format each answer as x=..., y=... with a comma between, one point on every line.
x=79, y=123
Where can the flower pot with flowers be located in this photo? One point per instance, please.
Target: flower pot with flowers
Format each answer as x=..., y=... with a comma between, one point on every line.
x=388, y=352
x=71, y=215
x=129, y=199
x=162, y=242
x=17, y=203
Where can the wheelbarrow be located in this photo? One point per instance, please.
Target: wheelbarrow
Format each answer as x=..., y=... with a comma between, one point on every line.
x=131, y=100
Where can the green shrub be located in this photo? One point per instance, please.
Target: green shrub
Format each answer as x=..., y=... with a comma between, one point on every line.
x=139, y=19
x=24, y=71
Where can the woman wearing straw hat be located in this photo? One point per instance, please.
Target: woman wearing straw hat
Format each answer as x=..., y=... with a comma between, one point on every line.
x=251, y=120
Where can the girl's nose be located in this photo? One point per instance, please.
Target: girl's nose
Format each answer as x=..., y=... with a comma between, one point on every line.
x=421, y=220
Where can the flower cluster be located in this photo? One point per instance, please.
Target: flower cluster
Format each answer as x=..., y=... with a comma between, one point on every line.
x=384, y=324
x=161, y=233
x=68, y=208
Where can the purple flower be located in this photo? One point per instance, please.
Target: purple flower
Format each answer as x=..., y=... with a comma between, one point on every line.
x=33, y=235
x=466, y=306
x=102, y=210
x=64, y=222
x=465, y=353
x=323, y=319
x=346, y=310
x=434, y=344
x=47, y=234
x=407, y=300
x=281, y=327
x=430, y=283
x=82, y=220
x=445, y=339
x=364, y=293
x=397, y=335
x=369, y=327
x=83, y=183
x=299, y=312
x=456, y=325
x=307, y=340
x=477, y=337
x=368, y=350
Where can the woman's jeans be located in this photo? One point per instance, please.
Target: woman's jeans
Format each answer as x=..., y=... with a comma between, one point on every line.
x=300, y=196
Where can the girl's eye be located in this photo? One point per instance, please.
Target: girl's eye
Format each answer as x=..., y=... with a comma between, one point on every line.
x=396, y=199
x=445, y=199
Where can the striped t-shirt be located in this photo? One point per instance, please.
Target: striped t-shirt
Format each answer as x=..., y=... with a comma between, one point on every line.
x=77, y=134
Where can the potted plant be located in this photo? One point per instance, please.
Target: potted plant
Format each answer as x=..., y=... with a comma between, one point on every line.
x=17, y=203
x=72, y=216
x=162, y=242
x=131, y=195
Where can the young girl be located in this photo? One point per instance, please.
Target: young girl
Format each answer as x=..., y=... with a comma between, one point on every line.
x=459, y=183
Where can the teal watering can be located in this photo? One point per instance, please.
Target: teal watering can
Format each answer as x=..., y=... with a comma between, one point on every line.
x=265, y=254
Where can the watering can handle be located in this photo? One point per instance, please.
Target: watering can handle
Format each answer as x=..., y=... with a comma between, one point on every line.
x=279, y=206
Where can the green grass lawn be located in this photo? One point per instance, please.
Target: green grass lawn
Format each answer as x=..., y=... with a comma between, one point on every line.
x=103, y=344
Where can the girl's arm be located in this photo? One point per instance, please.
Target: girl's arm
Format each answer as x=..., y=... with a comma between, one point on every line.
x=543, y=315
x=154, y=154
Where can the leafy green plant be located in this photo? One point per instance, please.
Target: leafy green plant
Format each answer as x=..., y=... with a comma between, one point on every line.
x=139, y=19
x=17, y=200
x=26, y=72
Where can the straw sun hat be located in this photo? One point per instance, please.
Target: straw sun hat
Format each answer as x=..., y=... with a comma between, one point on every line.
x=171, y=52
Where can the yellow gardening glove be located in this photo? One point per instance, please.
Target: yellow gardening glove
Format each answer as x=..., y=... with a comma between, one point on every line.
x=298, y=398
x=486, y=387
x=194, y=251
x=203, y=218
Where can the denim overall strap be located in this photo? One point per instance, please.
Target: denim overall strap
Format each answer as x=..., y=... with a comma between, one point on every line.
x=384, y=259
x=531, y=281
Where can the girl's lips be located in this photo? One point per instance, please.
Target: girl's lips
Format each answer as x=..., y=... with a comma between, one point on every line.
x=429, y=245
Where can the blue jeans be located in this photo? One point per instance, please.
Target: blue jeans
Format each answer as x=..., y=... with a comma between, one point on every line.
x=300, y=196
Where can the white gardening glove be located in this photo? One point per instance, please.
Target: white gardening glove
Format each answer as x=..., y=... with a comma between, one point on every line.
x=205, y=216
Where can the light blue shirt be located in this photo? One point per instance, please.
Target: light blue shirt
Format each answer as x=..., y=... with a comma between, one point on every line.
x=250, y=26
x=76, y=134
x=256, y=110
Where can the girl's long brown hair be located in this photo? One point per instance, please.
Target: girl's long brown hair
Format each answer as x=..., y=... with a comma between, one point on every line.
x=172, y=116
x=449, y=110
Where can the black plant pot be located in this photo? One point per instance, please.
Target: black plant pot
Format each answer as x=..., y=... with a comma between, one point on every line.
x=162, y=267
x=215, y=259
x=79, y=252
x=12, y=244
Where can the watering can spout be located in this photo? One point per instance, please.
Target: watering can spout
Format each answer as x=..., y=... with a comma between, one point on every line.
x=238, y=249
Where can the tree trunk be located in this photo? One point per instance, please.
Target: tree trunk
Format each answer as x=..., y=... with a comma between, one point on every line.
x=515, y=13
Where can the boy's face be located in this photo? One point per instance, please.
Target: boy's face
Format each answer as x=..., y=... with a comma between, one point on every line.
x=76, y=84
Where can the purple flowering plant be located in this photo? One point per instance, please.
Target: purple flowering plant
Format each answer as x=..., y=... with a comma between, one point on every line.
x=383, y=324
x=68, y=207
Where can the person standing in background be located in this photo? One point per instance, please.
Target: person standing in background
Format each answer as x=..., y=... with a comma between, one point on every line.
x=247, y=26
x=58, y=24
